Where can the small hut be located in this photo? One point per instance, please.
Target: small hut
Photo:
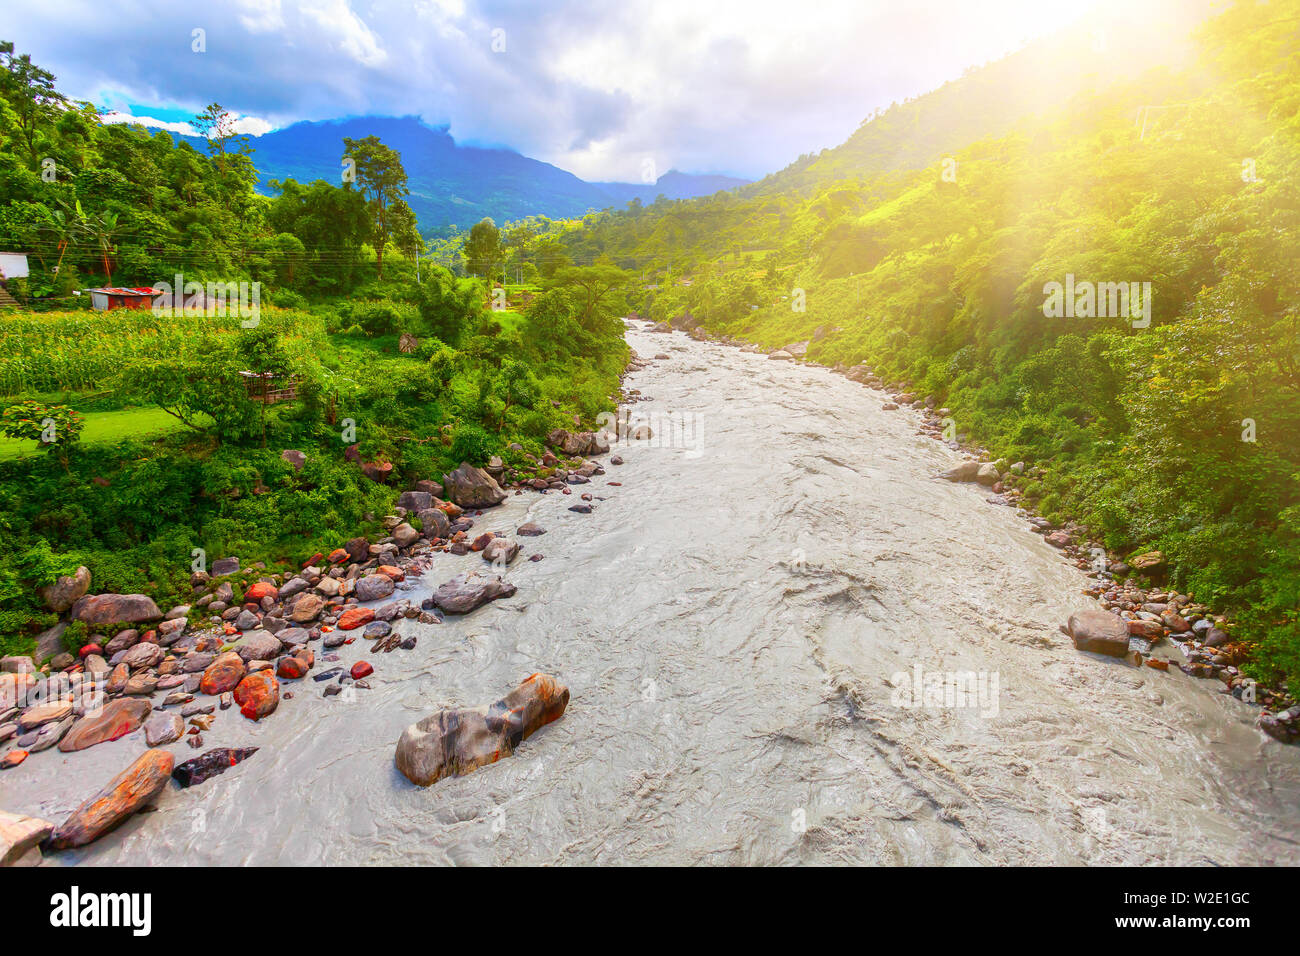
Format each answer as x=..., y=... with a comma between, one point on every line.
x=263, y=387
x=117, y=297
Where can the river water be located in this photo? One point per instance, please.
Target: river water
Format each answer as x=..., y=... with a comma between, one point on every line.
x=731, y=623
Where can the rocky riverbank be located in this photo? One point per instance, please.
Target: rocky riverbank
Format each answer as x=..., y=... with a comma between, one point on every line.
x=1157, y=627
x=251, y=639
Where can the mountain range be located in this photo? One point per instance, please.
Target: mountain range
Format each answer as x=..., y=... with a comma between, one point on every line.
x=455, y=185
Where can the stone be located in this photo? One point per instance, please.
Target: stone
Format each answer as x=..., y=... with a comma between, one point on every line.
x=435, y=523
x=501, y=551
x=471, y=590
x=530, y=530
x=125, y=795
x=223, y=674
x=1151, y=561
x=117, y=719
x=291, y=667
x=1147, y=630
x=66, y=590
x=415, y=501
x=163, y=728
x=223, y=566
x=39, y=714
x=405, y=535
x=112, y=608
x=361, y=669
x=21, y=837
x=455, y=741
x=258, y=646
x=143, y=655
x=210, y=764
x=377, y=629
x=966, y=471
x=1099, y=631
x=372, y=587
x=260, y=589
x=308, y=607
x=987, y=475
x=582, y=509
x=471, y=487
x=258, y=695
x=355, y=617
x=294, y=457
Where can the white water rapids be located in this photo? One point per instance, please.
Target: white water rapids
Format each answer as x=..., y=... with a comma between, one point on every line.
x=728, y=622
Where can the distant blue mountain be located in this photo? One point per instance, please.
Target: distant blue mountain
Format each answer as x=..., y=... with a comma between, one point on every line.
x=458, y=185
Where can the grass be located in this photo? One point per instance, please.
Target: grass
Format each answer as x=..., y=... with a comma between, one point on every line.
x=105, y=428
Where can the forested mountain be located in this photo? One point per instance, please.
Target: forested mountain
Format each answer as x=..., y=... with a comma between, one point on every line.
x=1104, y=50
x=1181, y=433
x=452, y=184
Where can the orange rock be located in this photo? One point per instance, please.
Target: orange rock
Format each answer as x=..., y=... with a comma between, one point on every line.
x=258, y=695
x=223, y=674
x=118, y=718
x=12, y=759
x=338, y=556
x=355, y=617
x=482, y=541
x=392, y=573
x=125, y=795
x=260, y=589
x=1158, y=663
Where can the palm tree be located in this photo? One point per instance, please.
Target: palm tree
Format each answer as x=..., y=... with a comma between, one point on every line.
x=103, y=228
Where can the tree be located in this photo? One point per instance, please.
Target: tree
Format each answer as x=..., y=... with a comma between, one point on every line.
x=594, y=287
x=217, y=125
x=31, y=95
x=57, y=427
x=483, y=251
x=104, y=229
x=381, y=179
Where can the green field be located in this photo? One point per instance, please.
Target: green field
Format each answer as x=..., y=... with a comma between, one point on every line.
x=105, y=428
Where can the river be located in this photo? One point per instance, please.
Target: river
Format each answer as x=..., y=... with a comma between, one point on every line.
x=729, y=622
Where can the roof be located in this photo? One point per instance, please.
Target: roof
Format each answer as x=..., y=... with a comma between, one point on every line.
x=122, y=290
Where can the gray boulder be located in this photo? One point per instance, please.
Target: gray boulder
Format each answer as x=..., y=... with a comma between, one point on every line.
x=472, y=487
x=1100, y=632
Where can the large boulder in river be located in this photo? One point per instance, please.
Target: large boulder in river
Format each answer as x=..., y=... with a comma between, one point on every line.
x=966, y=471
x=124, y=795
x=472, y=487
x=455, y=741
x=1100, y=632
x=987, y=475
x=112, y=608
x=66, y=591
x=470, y=590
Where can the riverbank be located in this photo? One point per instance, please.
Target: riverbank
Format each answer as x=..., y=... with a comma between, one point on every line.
x=729, y=630
x=1154, y=618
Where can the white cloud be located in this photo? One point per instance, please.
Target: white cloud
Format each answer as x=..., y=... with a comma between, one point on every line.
x=738, y=86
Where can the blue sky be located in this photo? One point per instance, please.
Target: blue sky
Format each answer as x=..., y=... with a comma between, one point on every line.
x=730, y=86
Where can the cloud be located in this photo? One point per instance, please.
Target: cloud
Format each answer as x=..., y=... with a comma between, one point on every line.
x=736, y=86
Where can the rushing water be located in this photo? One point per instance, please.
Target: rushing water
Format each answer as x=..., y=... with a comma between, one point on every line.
x=729, y=622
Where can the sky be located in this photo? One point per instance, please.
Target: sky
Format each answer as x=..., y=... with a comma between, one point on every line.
x=605, y=90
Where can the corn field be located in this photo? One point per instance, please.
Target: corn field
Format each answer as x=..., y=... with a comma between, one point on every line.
x=78, y=351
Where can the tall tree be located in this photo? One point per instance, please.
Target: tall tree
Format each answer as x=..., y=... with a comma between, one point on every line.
x=381, y=179
x=31, y=95
x=217, y=125
x=483, y=251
